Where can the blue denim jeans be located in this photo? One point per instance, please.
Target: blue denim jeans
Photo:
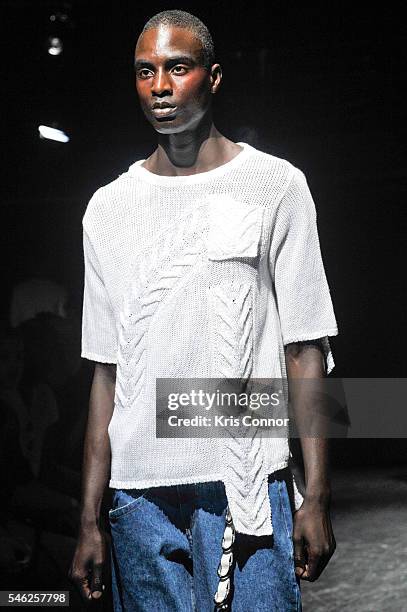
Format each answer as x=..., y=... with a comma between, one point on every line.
x=166, y=548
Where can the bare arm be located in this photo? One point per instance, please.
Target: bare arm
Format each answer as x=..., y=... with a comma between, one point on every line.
x=306, y=360
x=97, y=455
x=90, y=555
x=314, y=542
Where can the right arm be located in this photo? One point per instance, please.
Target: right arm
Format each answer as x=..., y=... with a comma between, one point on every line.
x=90, y=554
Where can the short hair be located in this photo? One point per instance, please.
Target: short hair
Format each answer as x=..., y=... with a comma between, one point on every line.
x=182, y=19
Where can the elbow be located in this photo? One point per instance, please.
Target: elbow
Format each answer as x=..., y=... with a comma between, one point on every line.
x=305, y=359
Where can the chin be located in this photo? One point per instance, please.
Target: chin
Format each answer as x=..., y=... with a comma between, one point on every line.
x=168, y=127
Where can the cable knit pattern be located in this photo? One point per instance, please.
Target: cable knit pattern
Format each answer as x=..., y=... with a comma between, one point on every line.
x=166, y=263
x=232, y=308
x=202, y=276
x=242, y=453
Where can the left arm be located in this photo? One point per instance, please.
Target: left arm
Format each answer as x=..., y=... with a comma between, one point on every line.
x=306, y=311
x=314, y=541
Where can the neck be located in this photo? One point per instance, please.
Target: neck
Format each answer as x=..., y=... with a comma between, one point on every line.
x=192, y=151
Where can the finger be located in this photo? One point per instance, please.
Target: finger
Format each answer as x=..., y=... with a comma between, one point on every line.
x=96, y=585
x=323, y=562
x=299, y=556
x=84, y=588
x=313, y=566
x=82, y=584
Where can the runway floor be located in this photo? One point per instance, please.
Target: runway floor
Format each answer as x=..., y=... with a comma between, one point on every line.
x=368, y=571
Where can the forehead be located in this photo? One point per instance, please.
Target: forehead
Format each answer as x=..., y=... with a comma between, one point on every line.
x=167, y=41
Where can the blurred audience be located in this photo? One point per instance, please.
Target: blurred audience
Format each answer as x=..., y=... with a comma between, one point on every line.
x=36, y=295
x=44, y=394
x=56, y=372
x=35, y=514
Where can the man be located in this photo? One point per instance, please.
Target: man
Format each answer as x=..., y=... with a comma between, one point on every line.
x=201, y=261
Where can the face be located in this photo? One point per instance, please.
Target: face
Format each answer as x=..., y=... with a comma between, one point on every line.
x=174, y=89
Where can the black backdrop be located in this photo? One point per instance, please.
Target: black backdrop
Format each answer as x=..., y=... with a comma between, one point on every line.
x=316, y=83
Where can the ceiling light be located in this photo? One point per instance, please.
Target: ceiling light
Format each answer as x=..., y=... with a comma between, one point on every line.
x=55, y=46
x=52, y=133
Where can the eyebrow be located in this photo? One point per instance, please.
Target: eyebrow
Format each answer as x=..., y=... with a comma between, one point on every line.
x=177, y=59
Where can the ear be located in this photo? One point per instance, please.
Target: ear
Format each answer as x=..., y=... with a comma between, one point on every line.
x=215, y=77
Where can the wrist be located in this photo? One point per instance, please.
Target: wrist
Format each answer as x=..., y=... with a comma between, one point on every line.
x=318, y=496
x=88, y=520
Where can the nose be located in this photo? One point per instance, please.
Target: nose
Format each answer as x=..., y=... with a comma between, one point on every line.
x=161, y=84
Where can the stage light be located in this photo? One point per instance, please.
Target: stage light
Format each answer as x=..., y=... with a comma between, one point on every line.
x=52, y=133
x=55, y=46
x=59, y=16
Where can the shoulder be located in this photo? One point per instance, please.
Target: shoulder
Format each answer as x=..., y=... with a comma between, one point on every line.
x=296, y=203
x=285, y=184
x=107, y=203
x=276, y=174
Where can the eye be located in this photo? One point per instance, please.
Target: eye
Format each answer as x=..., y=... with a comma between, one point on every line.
x=179, y=69
x=144, y=73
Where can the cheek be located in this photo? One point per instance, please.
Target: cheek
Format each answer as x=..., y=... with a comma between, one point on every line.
x=194, y=85
x=194, y=91
x=142, y=90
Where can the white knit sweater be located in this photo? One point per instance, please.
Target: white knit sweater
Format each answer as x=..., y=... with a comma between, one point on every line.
x=167, y=261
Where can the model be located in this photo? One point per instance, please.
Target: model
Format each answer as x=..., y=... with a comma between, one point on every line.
x=202, y=260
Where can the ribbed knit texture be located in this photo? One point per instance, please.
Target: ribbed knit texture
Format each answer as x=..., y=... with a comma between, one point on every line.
x=207, y=275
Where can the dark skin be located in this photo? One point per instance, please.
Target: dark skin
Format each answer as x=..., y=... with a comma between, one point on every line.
x=314, y=541
x=169, y=69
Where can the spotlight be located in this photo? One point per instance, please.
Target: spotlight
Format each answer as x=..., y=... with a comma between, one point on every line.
x=52, y=133
x=55, y=46
x=59, y=16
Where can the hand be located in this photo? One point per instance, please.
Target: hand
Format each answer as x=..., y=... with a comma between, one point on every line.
x=313, y=538
x=88, y=564
x=15, y=554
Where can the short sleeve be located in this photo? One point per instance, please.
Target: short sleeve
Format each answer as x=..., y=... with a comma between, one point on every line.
x=99, y=332
x=302, y=292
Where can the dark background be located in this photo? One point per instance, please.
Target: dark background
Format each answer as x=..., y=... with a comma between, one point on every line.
x=316, y=83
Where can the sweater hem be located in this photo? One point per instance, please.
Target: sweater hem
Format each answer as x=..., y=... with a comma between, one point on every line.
x=163, y=482
x=333, y=331
x=96, y=357
x=325, y=335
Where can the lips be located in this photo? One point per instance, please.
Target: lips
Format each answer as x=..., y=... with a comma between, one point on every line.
x=165, y=111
